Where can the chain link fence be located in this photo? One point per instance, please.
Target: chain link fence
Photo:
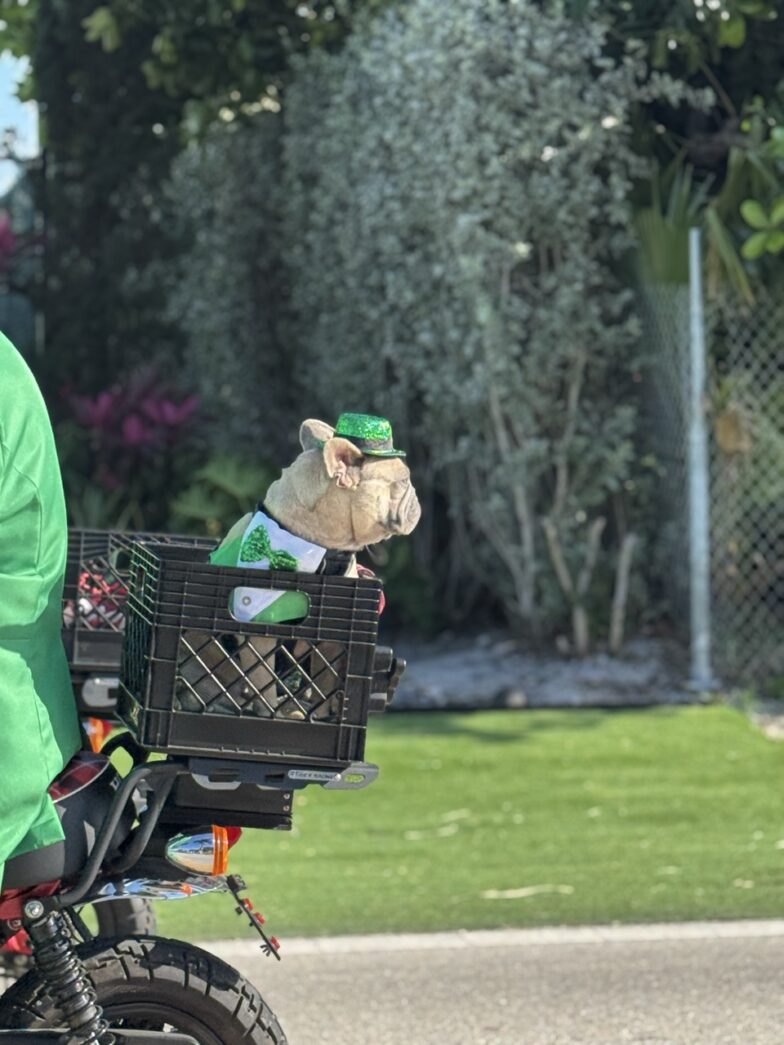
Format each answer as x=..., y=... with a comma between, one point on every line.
x=747, y=483
x=742, y=417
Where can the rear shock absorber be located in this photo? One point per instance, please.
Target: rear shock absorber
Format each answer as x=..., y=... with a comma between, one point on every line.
x=65, y=976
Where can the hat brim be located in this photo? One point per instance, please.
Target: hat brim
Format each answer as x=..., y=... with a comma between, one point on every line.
x=383, y=453
x=368, y=453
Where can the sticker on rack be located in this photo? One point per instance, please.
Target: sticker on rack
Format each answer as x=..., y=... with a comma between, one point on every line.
x=316, y=776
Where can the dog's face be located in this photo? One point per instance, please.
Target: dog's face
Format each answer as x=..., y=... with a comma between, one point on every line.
x=336, y=496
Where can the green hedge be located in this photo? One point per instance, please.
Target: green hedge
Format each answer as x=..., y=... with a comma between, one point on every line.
x=452, y=219
x=225, y=290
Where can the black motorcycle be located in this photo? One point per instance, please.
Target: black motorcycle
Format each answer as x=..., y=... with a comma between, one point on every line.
x=244, y=715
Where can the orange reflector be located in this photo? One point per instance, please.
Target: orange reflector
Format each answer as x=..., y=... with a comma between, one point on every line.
x=97, y=730
x=220, y=838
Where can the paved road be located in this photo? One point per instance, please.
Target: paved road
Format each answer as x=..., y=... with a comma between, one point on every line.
x=697, y=984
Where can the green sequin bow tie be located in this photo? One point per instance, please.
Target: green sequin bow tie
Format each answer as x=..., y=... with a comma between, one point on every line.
x=257, y=546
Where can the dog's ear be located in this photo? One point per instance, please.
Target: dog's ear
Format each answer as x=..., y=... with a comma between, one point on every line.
x=343, y=460
x=313, y=434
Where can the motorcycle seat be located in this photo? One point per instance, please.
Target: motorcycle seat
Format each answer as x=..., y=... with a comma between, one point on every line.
x=82, y=795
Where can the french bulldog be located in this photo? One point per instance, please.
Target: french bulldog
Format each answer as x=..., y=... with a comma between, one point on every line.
x=338, y=497
x=342, y=492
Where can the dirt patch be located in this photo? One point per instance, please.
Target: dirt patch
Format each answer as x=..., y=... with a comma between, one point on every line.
x=495, y=671
x=769, y=717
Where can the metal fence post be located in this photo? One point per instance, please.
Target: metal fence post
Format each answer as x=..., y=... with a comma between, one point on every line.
x=698, y=467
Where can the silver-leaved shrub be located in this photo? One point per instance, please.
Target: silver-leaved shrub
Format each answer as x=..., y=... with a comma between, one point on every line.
x=449, y=227
x=458, y=184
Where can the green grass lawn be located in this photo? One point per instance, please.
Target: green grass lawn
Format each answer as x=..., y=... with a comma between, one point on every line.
x=520, y=818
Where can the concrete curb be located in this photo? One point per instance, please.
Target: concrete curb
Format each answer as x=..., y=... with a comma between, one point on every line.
x=464, y=939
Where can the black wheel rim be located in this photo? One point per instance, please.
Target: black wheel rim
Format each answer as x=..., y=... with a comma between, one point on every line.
x=154, y=1016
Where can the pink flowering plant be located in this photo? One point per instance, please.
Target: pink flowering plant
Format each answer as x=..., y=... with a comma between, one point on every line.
x=128, y=450
x=8, y=241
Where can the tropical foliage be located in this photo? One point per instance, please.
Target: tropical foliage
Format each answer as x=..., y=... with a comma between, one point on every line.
x=451, y=231
x=724, y=144
x=431, y=209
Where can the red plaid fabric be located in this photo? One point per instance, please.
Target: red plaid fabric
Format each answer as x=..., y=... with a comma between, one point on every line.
x=83, y=768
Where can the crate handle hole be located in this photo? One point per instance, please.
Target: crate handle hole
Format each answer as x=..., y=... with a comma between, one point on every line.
x=268, y=605
x=120, y=559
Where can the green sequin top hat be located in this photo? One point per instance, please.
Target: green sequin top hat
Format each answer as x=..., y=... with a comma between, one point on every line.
x=372, y=435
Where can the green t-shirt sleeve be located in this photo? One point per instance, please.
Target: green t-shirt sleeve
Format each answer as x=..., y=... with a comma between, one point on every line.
x=40, y=727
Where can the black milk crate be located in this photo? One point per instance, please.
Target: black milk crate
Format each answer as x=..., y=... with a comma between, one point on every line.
x=197, y=681
x=95, y=593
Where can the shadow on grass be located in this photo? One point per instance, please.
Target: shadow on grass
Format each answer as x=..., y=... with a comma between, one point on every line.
x=467, y=723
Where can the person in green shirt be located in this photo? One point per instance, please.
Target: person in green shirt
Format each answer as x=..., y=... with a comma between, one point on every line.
x=39, y=727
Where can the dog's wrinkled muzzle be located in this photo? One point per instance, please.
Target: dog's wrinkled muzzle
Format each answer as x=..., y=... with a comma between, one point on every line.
x=408, y=512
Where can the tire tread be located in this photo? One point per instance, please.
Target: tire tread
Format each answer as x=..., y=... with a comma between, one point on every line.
x=141, y=960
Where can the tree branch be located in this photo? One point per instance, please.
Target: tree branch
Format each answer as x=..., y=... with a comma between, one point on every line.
x=561, y=457
x=591, y=554
x=557, y=557
x=620, y=595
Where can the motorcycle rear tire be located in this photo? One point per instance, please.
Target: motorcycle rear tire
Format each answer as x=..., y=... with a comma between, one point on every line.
x=155, y=984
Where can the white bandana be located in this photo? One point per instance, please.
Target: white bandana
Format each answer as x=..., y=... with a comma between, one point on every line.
x=264, y=545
